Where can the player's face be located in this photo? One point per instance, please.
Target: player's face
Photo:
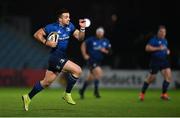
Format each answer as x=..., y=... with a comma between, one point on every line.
x=100, y=35
x=162, y=33
x=64, y=19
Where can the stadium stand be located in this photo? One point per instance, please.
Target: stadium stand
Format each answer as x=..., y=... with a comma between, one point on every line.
x=19, y=50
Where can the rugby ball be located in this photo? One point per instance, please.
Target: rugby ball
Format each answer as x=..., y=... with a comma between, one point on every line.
x=88, y=22
x=53, y=36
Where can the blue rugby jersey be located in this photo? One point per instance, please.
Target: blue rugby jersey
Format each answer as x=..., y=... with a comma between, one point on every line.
x=94, y=45
x=156, y=42
x=64, y=34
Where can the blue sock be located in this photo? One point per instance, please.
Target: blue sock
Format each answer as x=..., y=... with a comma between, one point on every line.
x=36, y=89
x=165, y=86
x=96, y=86
x=86, y=83
x=71, y=80
x=145, y=86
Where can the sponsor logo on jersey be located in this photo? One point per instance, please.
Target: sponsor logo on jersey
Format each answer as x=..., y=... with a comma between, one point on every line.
x=62, y=61
x=68, y=29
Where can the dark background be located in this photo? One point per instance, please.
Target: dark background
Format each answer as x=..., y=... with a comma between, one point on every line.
x=128, y=24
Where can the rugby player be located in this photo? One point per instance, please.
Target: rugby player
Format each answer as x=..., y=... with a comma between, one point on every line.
x=93, y=50
x=158, y=48
x=58, y=61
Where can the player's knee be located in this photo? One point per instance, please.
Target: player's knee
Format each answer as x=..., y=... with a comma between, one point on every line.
x=46, y=83
x=77, y=72
x=151, y=78
x=97, y=77
x=168, y=78
x=150, y=81
x=90, y=78
x=49, y=78
x=98, y=74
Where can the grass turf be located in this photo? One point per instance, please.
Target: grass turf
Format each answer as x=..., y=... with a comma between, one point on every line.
x=114, y=102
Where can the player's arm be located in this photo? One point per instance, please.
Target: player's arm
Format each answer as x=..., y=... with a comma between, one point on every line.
x=104, y=50
x=83, y=51
x=107, y=50
x=168, y=52
x=40, y=36
x=80, y=34
x=150, y=48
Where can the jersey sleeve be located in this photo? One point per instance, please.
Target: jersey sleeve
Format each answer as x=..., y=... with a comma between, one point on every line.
x=108, y=44
x=167, y=43
x=73, y=28
x=151, y=42
x=48, y=29
x=87, y=41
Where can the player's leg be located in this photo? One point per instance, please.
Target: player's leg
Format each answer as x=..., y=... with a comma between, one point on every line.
x=150, y=78
x=167, y=79
x=97, y=73
x=62, y=77
x=48, y=79
x=85, y=85
x=75, y=72
x=39, y=86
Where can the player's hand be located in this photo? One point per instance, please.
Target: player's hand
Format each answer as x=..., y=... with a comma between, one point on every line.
x=168, y=52
x=86, y=57
x=104, y=50
x=82, y=23
x=161, y=47
x=52, y=44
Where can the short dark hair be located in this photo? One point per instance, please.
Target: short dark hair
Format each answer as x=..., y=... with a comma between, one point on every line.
x=161, y=27
x=61, y=11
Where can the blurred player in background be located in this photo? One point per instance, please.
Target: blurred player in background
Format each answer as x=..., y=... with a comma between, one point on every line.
x=93, y=50
x=158, y=47
x=58, y=60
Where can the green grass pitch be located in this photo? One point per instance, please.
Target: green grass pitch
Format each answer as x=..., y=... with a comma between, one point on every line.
x=114, y=102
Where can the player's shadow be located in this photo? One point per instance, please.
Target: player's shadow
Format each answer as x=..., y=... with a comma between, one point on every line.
x=54, y=109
